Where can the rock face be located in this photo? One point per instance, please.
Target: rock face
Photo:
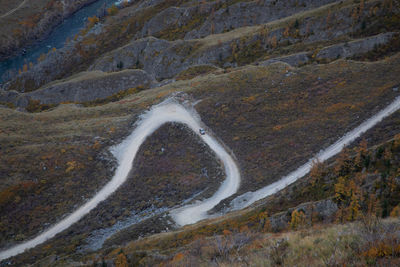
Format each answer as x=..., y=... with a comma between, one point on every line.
x=50, y=17
x=293, y=60
x=160, y=58
x=221, y=16
x=252, y=13
x=323, y=210
x=342, y=50
x=163, y=59
x=48, y=70
x=352, y=48
x=87, y=86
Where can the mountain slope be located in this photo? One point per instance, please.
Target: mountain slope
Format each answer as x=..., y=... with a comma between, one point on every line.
x=274, y=81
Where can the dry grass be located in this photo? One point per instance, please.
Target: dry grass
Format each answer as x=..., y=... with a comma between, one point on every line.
x=322, y=245
x=25, y=137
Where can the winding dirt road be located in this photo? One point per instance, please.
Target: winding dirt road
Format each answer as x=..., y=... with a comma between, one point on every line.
x=170, y=111
x=249, y=198
x=167, y=111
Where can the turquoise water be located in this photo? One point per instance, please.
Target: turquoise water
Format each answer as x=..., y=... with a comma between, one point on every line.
x=68, y=28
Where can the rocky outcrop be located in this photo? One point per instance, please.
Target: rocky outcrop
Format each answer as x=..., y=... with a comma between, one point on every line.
x=252, y=13
x=164, y=59
x=323, y=210
x=160, y=58
x=14, y=98
x=48, y=70
x=349, y=49
x=342, y=50
x=87, y=86
x=293, y=60
x=50, y=16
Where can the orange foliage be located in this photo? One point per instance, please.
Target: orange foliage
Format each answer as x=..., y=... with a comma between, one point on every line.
x=339, y=106
x=121, y=261
x=382, y=249
x=178, y=257
x=113, y=10
x=395, y=212
x=274, y=42
x=226, y=232
x=42, y=57
x=92, y=21
x=73, y=165
x=298, y=219
x=96, y=145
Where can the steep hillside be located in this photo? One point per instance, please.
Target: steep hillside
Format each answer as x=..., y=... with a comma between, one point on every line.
x=271, y=82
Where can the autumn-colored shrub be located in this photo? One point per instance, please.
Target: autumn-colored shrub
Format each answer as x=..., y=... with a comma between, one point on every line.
x=298, y=219
x=113, y=10
x=36, y=106
x=121, y=260
x=92, y=21
x=395, y=212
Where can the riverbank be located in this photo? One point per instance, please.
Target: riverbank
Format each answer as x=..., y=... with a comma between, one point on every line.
x=39, y=26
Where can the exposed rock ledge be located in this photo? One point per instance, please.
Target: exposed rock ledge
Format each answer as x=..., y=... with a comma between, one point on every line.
x=84, y=87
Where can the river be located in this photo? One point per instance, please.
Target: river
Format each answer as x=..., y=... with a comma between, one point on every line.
x=56, y=39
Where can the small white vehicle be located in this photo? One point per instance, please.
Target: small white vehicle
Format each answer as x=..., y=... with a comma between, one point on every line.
x=202, y=131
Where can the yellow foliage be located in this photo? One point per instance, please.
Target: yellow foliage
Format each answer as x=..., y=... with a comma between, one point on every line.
x=395, y=212
x=354, y=208
x=298, y=219
x=92, y=21
x=397, y=140
x=73, y=165
x=340, y=189
x=42, y=57
x=178, y=257
x=339, y=106
x=317, y=171
x=96, y=145
x=380, y=250
x=113, y=10
x=121, y=261
x=112, y=130
x=249, y=99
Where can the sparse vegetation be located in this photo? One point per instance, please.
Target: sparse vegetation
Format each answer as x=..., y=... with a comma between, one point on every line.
x=195, y=71
x=273, y=118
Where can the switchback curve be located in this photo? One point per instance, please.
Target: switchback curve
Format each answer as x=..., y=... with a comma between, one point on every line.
x=167, y=111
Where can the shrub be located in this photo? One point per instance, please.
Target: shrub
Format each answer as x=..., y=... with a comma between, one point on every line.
x=278, y=251
x=113, y=10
